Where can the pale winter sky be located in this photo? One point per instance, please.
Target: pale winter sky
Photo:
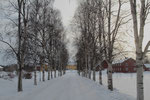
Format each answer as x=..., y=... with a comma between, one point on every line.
x=67, y=9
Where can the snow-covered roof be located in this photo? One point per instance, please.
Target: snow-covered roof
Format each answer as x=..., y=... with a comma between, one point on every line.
x=1, y=67
x=147, y=65
x=120, y=61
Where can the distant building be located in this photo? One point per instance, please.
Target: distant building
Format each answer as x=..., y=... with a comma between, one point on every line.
x=127, y=65
x=40, y=68
x=104, y=64
x=10, y=68
x=28, y=68
x=72, y=67
x=1, y=68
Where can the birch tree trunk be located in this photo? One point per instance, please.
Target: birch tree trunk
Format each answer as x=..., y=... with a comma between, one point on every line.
x=22, y=37
x=43, y=74
x=20, y=80
x=109, y=73
x=61, y=70
x=94, y=74
x=19, y=33
x=89, y=65
x=86, y=65
x=140, y=87
x=79, y=71
x=100, y=75
x=40, y=75
x=110, y=49
x=138, y=36
x=64, y=71
x=94, y=68
x=89, y=72
x=55, y=72
x=49, y=72
x=35, y=80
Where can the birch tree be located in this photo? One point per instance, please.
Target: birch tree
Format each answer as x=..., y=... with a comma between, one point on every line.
x=20, y=49
x=113, y=26
x=139, y=36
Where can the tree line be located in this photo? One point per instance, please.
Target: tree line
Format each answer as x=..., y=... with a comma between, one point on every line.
x=39, y=38
x=99, y=22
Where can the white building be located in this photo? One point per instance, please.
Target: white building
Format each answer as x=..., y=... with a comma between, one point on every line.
x=1, y=68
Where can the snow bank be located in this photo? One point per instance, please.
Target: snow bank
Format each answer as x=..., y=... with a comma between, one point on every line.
x=68, y=87
x=126, y=83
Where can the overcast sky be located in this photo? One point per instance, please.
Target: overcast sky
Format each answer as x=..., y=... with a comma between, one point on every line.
x=67, y=9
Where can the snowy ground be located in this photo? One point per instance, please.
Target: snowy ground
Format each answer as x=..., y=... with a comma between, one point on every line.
x=69, y=87
x=126, y=83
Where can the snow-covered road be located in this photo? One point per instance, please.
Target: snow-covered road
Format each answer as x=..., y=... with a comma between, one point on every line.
x=70, y=87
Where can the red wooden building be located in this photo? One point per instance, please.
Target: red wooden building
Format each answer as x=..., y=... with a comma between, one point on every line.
x=127, y=65
x=104, y=64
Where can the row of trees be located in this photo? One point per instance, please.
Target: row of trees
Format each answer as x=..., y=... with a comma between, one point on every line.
x=100, y=22
x=40, y=38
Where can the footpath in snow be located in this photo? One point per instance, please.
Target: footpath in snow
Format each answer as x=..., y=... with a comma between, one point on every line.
x=69, y=87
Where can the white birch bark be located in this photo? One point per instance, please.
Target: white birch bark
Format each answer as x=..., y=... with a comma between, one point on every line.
x=109, y=73
x=138, y=36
